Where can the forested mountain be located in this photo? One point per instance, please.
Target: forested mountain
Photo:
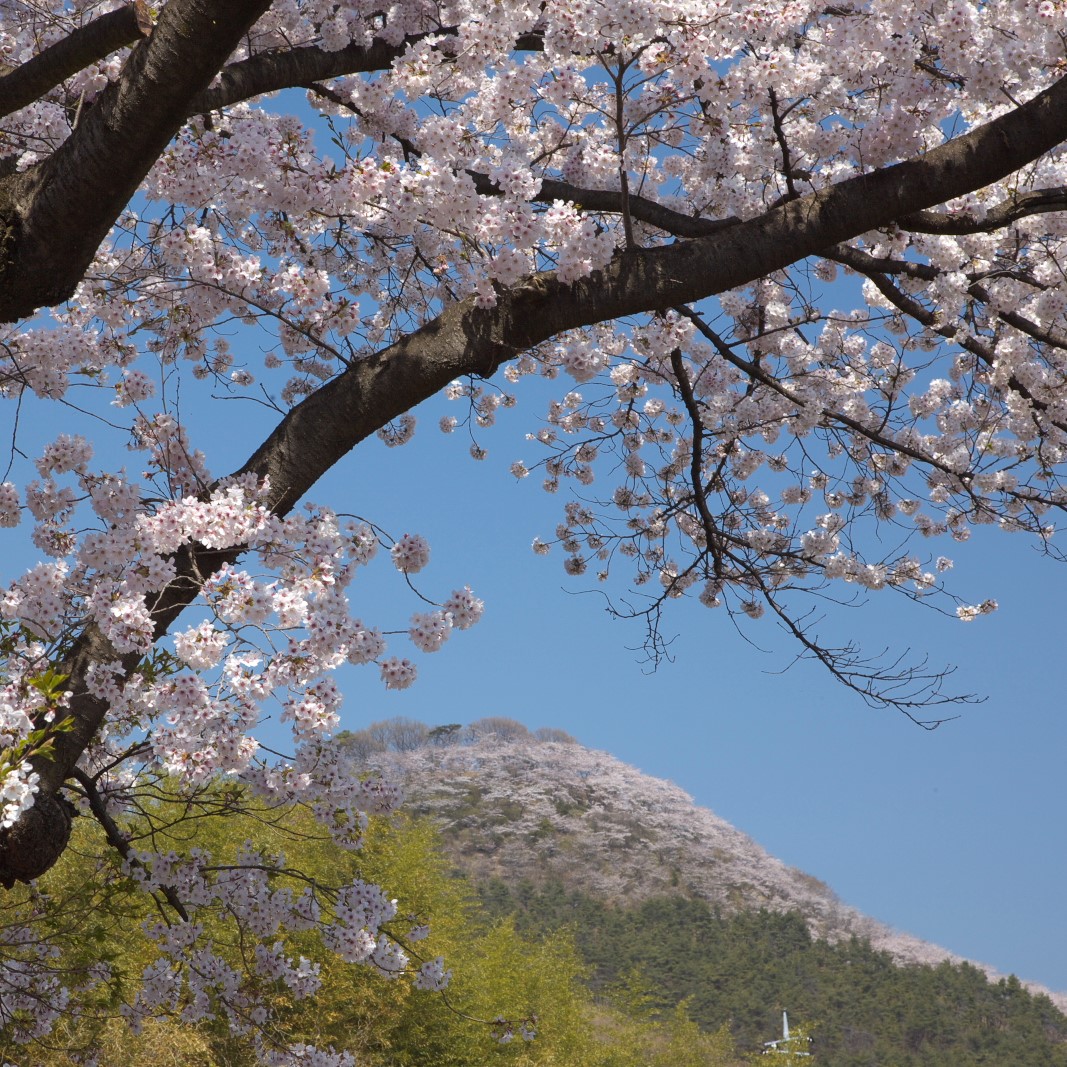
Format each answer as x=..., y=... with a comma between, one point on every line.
x=500, y=998
x=659, y=891
x=518, y=806
x=742, y=969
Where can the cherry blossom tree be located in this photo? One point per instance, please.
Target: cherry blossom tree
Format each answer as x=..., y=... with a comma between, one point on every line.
x=646, y=202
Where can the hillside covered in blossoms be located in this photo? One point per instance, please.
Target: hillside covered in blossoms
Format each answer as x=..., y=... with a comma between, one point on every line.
x=537, y=807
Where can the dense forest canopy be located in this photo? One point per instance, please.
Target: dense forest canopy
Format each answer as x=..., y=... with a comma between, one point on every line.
x=645, y=204
x=740, y=968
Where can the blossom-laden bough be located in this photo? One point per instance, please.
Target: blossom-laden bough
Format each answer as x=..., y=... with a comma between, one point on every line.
x=649, y=202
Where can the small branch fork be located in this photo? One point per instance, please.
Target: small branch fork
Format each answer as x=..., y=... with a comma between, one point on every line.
x=904, y=688
x=116, y=838
x=685, y=389
x=778, y=116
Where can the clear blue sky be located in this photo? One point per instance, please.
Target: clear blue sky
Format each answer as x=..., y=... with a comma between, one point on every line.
x=947, y=835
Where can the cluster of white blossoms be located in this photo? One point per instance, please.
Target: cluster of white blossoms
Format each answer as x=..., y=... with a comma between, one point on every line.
x=272, y=636
x=269, y=637
x=909, y=382
x=353, y=920
x=16, y=792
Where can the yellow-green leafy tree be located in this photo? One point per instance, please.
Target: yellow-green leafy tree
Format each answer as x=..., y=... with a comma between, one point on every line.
x=512, y=1000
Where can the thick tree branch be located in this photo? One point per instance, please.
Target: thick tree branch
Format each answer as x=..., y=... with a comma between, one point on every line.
x=1044, y=335
x=607, y=201
x=54, y=216
x=611, y=201
x=1038, y=202
x=268, y=72
x=465, y=339
x=92, y=42
x=1041, y=201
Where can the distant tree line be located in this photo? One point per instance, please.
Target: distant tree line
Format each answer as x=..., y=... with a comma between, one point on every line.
x=401, y=734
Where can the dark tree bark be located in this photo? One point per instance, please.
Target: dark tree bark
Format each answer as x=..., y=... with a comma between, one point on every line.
x=94, y=41
x=54, y=216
